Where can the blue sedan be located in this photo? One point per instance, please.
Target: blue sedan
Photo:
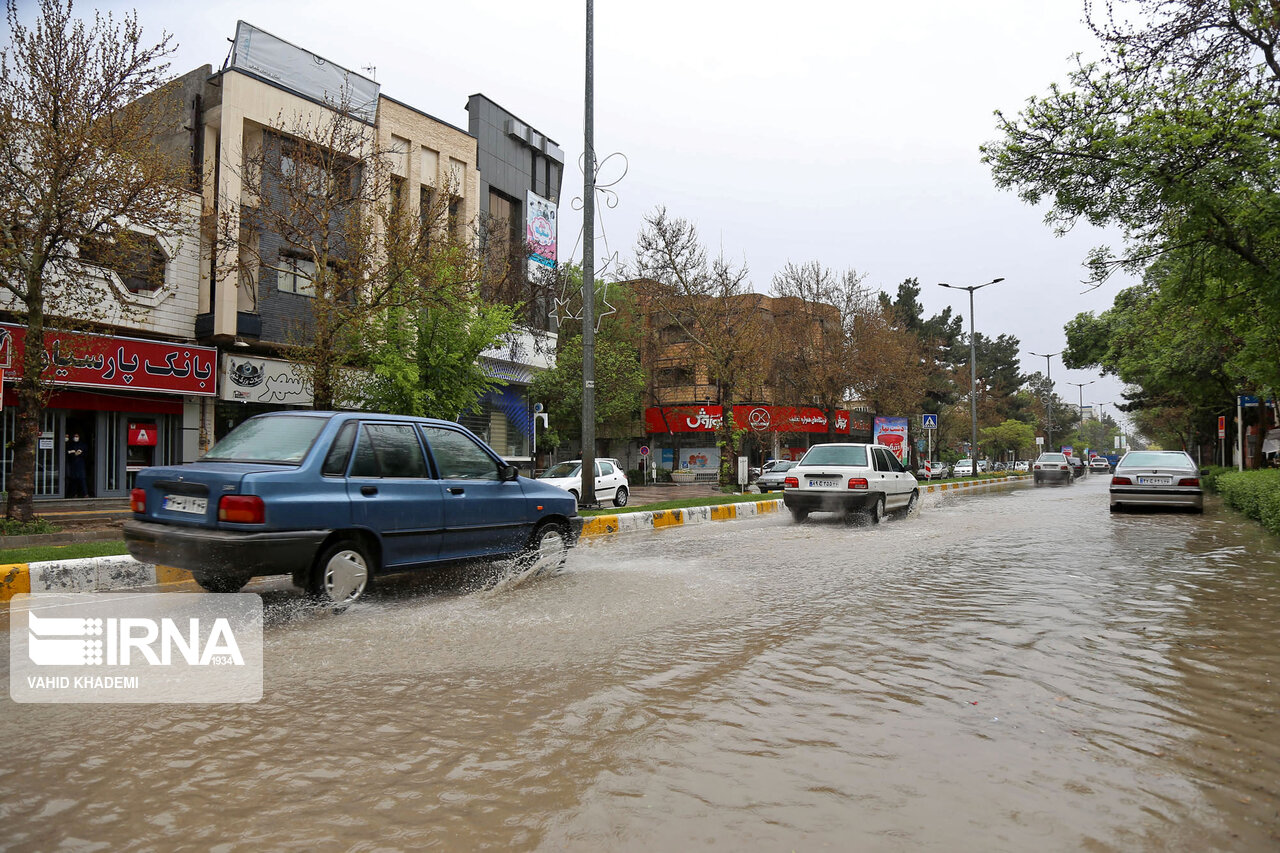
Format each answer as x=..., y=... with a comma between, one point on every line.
x=333, y=499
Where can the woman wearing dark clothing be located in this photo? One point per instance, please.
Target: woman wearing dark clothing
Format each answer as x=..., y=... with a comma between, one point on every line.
x=77, y=452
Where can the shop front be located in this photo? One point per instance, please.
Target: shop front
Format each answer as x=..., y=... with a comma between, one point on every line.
x=683, y=437
x=119, y=405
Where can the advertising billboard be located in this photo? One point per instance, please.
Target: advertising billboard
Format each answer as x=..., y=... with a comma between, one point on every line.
x=540, y=230
x=892, y=433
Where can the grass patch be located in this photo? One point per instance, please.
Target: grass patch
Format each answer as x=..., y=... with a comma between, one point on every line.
x=40, y=526
x=710, y=500
x=73, y=551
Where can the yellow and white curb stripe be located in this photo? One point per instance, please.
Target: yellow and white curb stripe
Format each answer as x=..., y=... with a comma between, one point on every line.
x=602, y=526
x=90, y=574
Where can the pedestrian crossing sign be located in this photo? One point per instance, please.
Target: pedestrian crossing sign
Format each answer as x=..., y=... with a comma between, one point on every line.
x=929, y=421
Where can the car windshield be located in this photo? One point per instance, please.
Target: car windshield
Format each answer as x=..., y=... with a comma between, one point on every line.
x=853, y=455
x=781, y=466
x=562, y=469
x=964, y=462
x=1053, y=457
x=283, y=438
x=1157, y=459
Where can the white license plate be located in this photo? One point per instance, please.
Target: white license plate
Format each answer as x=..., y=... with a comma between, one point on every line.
x=1155, y=481
x=186, y=503
x=823, y=483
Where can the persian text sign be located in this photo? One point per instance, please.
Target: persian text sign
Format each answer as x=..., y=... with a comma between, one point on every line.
x=670, y=419
x=100, y=361
x=892, y=433
x=158, y=647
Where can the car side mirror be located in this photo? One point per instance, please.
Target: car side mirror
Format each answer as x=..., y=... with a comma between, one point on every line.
x=508, y=473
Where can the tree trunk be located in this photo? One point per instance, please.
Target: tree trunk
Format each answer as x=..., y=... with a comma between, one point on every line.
x=22, y=476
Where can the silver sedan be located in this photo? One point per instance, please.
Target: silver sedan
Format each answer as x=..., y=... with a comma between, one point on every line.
x=1156, y=478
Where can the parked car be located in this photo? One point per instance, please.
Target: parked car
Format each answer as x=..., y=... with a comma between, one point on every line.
x=1051, y=468
x=774, y=479
x=1078, y=468
x=983, y=466
x=1022, y=465
x=611, y=480
x=963, y=468
x=1156, y=478
x=937, y=471
x=864, y=478
x=336, y=498
x=1099, y=465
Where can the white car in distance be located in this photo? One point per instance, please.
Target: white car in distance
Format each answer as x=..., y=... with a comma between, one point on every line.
x=850, y=478
x=611, y=480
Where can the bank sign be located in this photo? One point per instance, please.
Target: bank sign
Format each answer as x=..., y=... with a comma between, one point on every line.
x=672, y=419
x=137, y=648
x=79, y=359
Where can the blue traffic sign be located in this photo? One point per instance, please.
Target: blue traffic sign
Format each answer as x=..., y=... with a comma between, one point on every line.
x=929, y=421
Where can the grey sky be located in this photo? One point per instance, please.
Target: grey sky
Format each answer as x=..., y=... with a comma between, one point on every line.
x=843, y=132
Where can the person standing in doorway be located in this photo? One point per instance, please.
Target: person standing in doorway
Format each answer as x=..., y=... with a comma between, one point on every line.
x=77, y=452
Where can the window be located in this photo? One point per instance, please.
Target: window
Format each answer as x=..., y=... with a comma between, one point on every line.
x=604, y=469
x=335, y=464
x=296, y=275
x=309, y=177
x=388, y=450
x=136, y=258
x=674, y=334
x=673, y=376
x=458, y=457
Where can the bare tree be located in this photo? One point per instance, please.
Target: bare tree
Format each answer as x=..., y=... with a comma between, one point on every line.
x=711, y=303
x=79, y=172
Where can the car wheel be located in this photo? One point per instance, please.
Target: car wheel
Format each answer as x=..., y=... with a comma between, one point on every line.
x=620, y=499
x=574, y=492
x=911, y=502
x=799, y=515
x=1115, y=507
x=221, y=583
x=341, y=574
x=876, y=513
x=548, y=547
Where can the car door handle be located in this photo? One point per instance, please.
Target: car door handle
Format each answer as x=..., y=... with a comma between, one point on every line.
x=456, y=490
x=368, y=491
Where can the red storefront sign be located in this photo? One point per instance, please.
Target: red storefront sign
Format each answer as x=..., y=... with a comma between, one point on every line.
x=670, y=419
x=99, y=361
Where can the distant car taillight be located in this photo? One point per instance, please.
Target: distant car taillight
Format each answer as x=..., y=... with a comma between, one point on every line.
x=1066, y=467
x=242, y=509
x=1037, y=466
x=138, y=500
x=1121, y=481
x=1189, y=481
x=857, y=483
x=791, y=483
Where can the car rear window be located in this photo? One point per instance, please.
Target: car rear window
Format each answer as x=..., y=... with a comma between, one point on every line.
x=1157, y=458
x=836, y=455
x=283, y=438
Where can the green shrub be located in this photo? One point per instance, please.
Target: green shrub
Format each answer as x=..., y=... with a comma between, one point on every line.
x=1256, y=494
x=10, y=527
x=1209, y=479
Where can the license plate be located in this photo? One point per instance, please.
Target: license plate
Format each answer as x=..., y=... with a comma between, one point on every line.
x=186, y=503
x=1155, y=481
x=823, y=483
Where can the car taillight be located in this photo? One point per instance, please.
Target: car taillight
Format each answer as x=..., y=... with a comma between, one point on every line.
x=1121, y=481
x=138, y=500
x=242, y=509
x=857, y=483
x=791, y=483
x=1037, y=466
x=1189, y=481
x=1066, y=467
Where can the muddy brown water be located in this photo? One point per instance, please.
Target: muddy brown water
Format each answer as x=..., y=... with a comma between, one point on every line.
x=1009, y=671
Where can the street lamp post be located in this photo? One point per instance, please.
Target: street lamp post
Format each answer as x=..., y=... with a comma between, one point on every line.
x=973, y=371
x=1048, y=402
x=1080, y=411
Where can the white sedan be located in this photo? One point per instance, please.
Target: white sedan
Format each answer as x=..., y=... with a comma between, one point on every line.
x=865, y=478
x=611, y=480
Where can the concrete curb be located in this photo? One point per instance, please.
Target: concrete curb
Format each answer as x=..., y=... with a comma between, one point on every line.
x=102, y=574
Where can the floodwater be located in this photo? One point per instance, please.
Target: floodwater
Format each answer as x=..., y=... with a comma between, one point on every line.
x=1012, y=671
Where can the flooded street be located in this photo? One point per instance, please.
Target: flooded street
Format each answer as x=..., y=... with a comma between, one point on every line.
x=1006, y=671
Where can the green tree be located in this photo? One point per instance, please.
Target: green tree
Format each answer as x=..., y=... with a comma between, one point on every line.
x=79, y=167
x=1010, y=436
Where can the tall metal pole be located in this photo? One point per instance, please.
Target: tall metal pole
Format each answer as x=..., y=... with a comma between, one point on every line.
x=973, y=388
x=1048, y=401
x=973, y=372
x=589, y=276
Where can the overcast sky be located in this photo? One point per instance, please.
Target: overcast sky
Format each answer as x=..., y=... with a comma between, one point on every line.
x=842, y=132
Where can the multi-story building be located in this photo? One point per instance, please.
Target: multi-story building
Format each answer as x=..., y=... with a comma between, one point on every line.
x=251, y=312
x=684, y=404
